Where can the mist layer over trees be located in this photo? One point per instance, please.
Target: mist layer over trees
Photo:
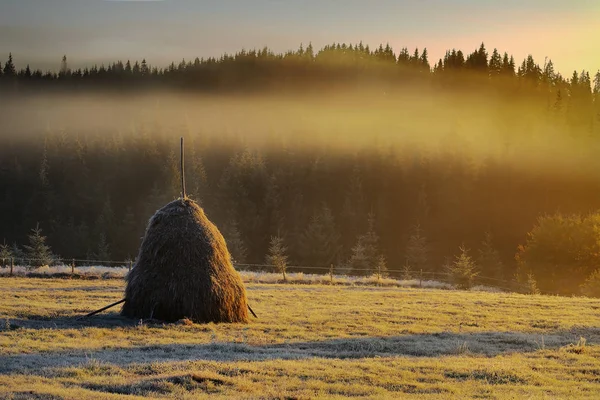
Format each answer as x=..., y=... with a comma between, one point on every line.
x=347, y=156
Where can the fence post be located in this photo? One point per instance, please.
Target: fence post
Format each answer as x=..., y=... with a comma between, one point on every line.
x=421, y=278
x=12, y=263
x=72, y=267
x=130, y=262
x=378, y=274
x=331, y=274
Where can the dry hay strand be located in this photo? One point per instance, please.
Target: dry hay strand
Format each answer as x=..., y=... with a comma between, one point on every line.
x=184, y=270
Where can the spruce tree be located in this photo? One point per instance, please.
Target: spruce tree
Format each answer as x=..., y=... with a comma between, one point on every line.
x=9, y=67
x=495, y=65
x=407, y=272
x=358, y=264
x=463, y=270
x=425, y=61
x=368, y=244
x=5, y=254
x=277, y=256
x=64, y=68
x=417, y=250
x=381, y=270
x=38, y=252
x=144, y=70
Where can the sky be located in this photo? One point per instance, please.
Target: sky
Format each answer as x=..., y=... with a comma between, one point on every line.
x=39, y=32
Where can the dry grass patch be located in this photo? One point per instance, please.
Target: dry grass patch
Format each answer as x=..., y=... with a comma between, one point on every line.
x=309, y=342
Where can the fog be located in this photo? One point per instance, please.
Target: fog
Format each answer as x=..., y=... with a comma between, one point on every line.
x=473, y=126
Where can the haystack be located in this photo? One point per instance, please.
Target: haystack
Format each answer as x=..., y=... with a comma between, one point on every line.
x=184, y=270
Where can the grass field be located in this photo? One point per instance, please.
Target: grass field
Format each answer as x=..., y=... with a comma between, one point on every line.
x=310, y=341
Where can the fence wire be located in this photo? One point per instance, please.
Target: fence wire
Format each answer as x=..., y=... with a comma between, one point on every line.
x=331, y=270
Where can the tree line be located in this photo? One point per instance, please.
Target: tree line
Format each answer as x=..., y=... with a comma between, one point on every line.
x=399, y=210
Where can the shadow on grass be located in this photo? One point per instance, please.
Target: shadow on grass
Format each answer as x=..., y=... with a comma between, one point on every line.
x=107, y=320
x=415, y=345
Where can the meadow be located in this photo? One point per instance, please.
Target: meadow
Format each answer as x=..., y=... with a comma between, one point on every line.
x=309, y=341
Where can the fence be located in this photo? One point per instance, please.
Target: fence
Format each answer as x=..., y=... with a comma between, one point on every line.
x=331, y=271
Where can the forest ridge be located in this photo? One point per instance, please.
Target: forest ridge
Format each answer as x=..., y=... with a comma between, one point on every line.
x=262, y=69
x=91, y=194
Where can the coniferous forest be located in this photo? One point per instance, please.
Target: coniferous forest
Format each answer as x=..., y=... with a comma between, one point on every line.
x=346, y=155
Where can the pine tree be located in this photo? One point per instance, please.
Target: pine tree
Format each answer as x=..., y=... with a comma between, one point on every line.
x=368, y=245
x=381, y=270
x=310, y=52
x=64, y=68
x=144, y=70
x=277, y=256
x=495, y=65
x=136, y=70
x=463, y=270
x=425, y=61
x=417, y=249
x=407, y=272
x=489, y=259
x=404, y=57
x=358, y=264
x=9, y=67
x=5, y=254
x=548, y=75
x=415, y=60
x=38, y=253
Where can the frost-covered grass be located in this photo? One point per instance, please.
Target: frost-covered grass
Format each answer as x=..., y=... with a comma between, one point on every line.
x=102, y=272
x=310, y=341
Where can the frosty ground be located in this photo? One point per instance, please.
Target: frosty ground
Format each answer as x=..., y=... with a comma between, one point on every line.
x=310, y=341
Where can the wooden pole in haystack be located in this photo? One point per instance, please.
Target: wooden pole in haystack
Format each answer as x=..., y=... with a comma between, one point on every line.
x=183, y=195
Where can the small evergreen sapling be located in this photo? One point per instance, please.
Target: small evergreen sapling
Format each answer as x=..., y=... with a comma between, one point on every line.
x=277, y=256
x=463, y=270
x=38, y=252
x=5, y=255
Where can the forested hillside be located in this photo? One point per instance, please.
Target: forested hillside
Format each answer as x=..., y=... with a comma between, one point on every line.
x=345, y=153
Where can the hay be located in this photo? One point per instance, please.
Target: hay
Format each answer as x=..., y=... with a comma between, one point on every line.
x=184, y=270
